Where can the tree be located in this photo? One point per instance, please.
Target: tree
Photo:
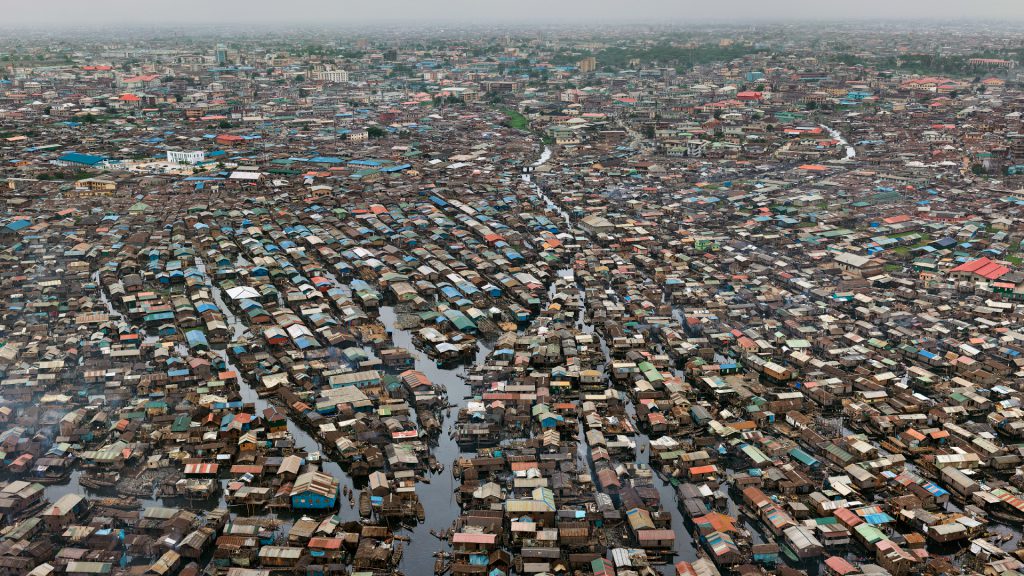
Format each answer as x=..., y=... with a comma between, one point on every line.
x=376, y=132
x=978, y=170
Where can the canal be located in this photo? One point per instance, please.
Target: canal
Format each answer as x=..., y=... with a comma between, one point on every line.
x=836, y=135
x=685, y=547
x=437, y=493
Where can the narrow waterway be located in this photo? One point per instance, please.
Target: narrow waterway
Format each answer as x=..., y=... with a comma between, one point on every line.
x=836, y=135
x=685, y=547
x=437, y=496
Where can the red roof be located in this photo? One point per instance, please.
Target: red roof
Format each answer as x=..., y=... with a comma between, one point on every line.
x=519, y=466
x=700, y=470
x=897, y=219
x=325, y=543
x=201, y=469
x=839, y=565
x=848, y=518
x=983, y=267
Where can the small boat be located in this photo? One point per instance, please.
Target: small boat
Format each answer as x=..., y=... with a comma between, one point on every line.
x=99, y=479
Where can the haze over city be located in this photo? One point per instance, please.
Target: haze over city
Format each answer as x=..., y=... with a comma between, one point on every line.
x=481, y=12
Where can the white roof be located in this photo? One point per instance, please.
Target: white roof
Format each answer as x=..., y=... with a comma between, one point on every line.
x=245, y=176
x=242, y=292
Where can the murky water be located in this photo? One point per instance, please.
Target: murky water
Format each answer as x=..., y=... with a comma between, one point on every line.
x=437, y=496
x=685, y=547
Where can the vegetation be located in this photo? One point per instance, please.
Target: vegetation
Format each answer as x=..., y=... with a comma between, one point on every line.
x=515, y=119
x=928, y=64
x=77, y=175
x=904, y=250
x=679, y=57
x=450, y=100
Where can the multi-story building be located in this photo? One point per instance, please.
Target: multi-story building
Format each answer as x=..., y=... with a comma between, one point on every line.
x=331, y=75
x=185, y=157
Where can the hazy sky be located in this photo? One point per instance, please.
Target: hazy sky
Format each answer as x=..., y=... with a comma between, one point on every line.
x=100, y=12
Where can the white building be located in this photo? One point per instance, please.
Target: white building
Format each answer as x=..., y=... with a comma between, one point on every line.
x=183, y=157
x=331, y=75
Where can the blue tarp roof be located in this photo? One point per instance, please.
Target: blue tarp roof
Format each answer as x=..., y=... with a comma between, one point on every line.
x=196, y=338
x=880, y=518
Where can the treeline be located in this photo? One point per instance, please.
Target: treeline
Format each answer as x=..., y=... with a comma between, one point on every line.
x=925, y=64
x=679, y=57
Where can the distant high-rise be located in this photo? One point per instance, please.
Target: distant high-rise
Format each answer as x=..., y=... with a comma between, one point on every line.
x=221, y=54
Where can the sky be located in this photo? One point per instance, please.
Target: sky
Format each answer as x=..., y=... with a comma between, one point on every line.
x=42, y=13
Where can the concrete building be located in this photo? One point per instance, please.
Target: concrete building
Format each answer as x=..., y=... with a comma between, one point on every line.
x=331, y=75
x=185, y=157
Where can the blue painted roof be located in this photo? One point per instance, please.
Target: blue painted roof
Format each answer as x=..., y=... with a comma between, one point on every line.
x=77, y=158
